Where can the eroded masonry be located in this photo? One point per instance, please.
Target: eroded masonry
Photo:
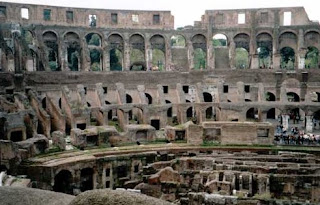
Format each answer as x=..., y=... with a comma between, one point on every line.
x=88, y=79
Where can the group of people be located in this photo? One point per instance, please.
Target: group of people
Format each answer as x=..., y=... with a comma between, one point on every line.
x=295, y=137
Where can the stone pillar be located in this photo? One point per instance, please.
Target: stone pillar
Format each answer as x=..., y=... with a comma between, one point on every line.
x=255, y=61
x=301, y=58
x=148, y=53
x=210, y=56
x=283, y=93
x=241, y=94
x=168, y=53
x=261, y=94
x=190, y=55
x=106, y=59
x=309, y=124
x=301, y=51
x=126, y=55
x=232, y=54
x=285, y=121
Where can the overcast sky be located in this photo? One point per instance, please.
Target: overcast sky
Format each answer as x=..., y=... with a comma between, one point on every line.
x=184, y=11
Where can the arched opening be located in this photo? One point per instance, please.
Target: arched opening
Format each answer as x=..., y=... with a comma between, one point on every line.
x=271, y=114
x=252, y=114
x=128, y=99
x=242, y=58
x=63, y=182
x=199, y=59
x=247, y=100
x=207, y=97
x=93, y=39
x=72, y=42
x=95, y=59
x=50, y=40
x=158, y=47
x=209, y=113
x=316, y=115
x=287, y=58
x=242, y=45
x=44, y=103
x=137, y=60
x=312, y=58
x=2, y=129
x=158, y=60
x=189, y=113
x=149, y=98
x=169, y=111
x=116, y=52
x=219, y=40
x=199, y=43
x=293, y=97
x=60, y=103
x=116, y=60
x=178, y=41
x=86, y=179
x=270, y=96
x=264, y=50
x=155, y=123
x=28, y=37
x=137, y=53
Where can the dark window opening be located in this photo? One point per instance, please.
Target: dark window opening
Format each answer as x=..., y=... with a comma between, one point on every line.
x=69, y=15
x=180, y=135
x=165, y=89
x=207, y=97
x=190, y=112
x=86, y=179
x=107, y=184
x=62, y=182
x=169, y=112
x=149, y=98
x=114, y=18
x=92, y=20
x=247, y=88
x=225, y=89
x=88, y=104
x=16, y=136
x=107, y=172
x=9, y=91
x=92, y=140
x=110, y=115
x=220, y=176
x=44, y=103
x=128, y=99
x=122, y=171
x=105, y=90
x=136, y=168
x=82, y=126
x=271, y=114
x=85, y=90
x=185, y=89
x=47, y=14
x=156, y=19
x=3, y=11
x=155, y=124
x=60, y=103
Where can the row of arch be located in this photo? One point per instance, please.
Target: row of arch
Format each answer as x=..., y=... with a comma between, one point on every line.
x=264, y=48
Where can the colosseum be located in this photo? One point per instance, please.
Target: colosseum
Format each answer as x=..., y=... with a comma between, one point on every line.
x=222, y=112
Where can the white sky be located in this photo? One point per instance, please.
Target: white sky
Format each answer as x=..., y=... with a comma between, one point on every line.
x=184, y=11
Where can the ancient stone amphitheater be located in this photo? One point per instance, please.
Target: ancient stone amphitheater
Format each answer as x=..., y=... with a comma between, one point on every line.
x=119, y=99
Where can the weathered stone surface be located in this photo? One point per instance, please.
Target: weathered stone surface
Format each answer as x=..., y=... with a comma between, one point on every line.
x=58, y=139
x=165, y=175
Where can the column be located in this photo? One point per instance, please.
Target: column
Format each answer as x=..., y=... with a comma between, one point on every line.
x=190, y=54
x=285, y=121
x=148, y=52
x=232, y=54
x=309, y=124
x=126, y=54
x=168, y=54
x=301, y=50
